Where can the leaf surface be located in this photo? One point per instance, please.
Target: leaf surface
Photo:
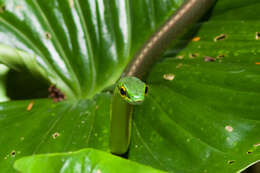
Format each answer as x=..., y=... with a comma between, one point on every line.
x=83, y=161
x=41, y=126
x=198, y=116
x=80, y=46
x=202, y=110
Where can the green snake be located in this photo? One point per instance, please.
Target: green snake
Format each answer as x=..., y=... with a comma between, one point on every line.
x=130, y=90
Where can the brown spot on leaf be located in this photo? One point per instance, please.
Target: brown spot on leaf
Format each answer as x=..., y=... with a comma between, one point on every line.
x=249, y=152
x=180, y=57
x=13, y=153
x=229, y=128
x=257, y=144
x=193, y=55
x=169, y=76
x=257, y=35
x=231, y=162
x=220, y=56
x=47, y=35
x=257, y=63
x=56, y=94
x=55, y=135
x=30, y=105
x=196, y=39
x=220, y=37
x=209, y=59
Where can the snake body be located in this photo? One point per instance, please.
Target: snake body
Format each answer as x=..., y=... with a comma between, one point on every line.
x=130, y=90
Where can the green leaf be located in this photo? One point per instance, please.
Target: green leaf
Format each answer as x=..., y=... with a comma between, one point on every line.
x=203, y=120
x=83, y=161
x=52, y=127
x=80, y=46
x=18, y=60
x=203, y=116
x=3, y=94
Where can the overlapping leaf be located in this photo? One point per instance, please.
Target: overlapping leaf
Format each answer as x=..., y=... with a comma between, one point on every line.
x=82, y=46
x=83, y=161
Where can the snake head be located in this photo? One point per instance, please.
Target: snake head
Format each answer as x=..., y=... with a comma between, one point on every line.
x=132, y=90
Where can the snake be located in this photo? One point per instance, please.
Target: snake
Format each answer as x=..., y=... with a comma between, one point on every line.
x=130, y=90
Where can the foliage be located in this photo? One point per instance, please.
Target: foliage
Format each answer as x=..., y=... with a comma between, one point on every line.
x=199, y=116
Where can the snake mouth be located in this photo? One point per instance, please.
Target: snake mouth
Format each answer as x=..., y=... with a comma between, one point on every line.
x=137, y=102
x=134, y=102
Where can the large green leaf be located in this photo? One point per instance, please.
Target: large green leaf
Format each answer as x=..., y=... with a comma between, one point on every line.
x=204, y=120
x=84, y=161
x=52, y=127
x=204, y=117
x=81, y=46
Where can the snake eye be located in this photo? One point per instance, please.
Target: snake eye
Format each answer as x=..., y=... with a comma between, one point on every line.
x=146, y=90
x=122, y=91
